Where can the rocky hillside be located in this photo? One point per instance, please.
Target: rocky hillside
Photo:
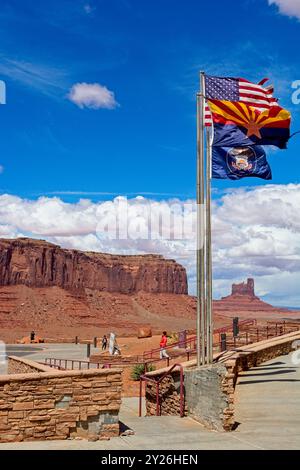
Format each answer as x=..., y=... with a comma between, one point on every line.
x=244, y=303
x=36, y=263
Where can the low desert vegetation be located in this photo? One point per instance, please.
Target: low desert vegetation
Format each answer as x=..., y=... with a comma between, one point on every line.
x=173, y=338
x=139, y=370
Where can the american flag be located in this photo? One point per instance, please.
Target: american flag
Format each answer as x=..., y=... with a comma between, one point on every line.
x=237, y=89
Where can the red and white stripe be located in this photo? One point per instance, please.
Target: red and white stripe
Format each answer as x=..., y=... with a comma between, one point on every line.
x=207, y=117
x=252, y=94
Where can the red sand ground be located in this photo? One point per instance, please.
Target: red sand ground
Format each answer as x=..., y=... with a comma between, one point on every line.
x=56, y=313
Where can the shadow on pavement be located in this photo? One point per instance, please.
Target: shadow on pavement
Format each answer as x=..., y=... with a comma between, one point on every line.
x=246, y=382
x=280, y=371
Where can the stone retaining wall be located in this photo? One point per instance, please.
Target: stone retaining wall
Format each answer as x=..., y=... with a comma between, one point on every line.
x=99, y=358
x=24, y=366
x=209, y=390
x=52, y=404
x=169, y=392
x=207, y=396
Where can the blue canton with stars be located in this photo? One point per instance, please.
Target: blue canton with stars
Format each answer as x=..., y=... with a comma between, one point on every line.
x=226, y=89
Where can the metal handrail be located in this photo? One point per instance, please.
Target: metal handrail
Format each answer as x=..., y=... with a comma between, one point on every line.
x=248, y=336
x=57, y=362
x=170, y=346
x=193, y=339
x=51, y=365
x=145, y=378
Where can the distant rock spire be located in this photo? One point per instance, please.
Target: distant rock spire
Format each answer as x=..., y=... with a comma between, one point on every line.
x=244, y=288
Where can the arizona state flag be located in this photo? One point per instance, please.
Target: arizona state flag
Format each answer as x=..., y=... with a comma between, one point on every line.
x=239, y=162
x=238, y=124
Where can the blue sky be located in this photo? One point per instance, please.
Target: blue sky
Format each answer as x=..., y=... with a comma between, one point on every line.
x=147, y=55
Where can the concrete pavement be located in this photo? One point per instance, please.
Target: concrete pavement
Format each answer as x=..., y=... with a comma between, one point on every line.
x=38, y=352
x=166, y=432
x=268, y=405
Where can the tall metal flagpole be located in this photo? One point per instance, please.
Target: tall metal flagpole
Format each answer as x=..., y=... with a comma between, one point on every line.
x=200, y=228
x=208, y=249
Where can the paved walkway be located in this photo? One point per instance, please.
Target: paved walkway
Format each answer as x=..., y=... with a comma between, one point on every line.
x=169, y=433
x=268, y=405
x=268, y=408
x=38, y=352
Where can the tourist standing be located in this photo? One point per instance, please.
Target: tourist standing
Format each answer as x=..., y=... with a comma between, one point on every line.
x=104, y=343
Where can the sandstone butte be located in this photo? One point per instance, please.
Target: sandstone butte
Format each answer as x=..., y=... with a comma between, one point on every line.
x=63, y=293
x=36, y=263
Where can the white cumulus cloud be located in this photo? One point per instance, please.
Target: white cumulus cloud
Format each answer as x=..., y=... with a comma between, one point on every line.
x=287, y=7
x=256, y=233
x=92, y=95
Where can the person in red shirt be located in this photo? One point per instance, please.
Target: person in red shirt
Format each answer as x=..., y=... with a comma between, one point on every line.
x=163, y=344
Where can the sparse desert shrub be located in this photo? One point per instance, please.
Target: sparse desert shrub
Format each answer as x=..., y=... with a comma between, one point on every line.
x=139, y=369
x=173, y=338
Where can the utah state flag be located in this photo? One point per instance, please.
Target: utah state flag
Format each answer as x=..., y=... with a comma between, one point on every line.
x=240, y=162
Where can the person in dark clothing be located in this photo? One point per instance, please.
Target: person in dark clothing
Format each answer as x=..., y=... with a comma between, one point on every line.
x=104, y=342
